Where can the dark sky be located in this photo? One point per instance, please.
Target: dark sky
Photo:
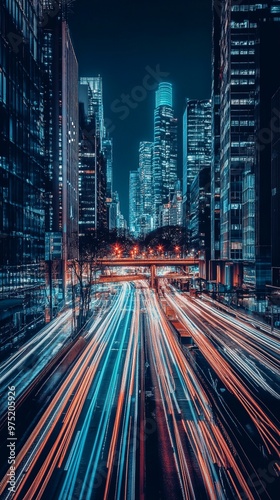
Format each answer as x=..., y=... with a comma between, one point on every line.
x=119, y=40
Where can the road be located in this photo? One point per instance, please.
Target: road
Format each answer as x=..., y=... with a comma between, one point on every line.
x=135, y=396
x=90, y=425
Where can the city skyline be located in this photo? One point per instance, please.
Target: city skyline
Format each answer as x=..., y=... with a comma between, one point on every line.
x=129, y=48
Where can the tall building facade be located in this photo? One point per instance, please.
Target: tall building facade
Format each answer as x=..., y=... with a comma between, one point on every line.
x=145, y=187
x=164, y=169
x=215, y=152
x=196, y=145
x=107, y=148
x=200, y=227
x=95, y=102
x=61, y=117
x=22, y=220
x=92, y=166
x=134, y=202
x=249, y=78
x=275, y=189
x=171, y=213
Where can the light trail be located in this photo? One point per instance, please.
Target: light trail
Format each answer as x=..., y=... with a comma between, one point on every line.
x=233, y=370
x=66, y=401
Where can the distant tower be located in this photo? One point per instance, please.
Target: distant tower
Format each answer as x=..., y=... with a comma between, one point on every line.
x=165, y=149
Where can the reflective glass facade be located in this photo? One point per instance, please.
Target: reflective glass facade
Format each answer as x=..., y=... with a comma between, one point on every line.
x=61, y=138
x=248, y=79
x=275, y=188
x=134, y=202
x=92, y=169
x=165, y=149
x=146, y=187
x=196, y=144
x=22, y=219
x=95, y=102
x=215, y=156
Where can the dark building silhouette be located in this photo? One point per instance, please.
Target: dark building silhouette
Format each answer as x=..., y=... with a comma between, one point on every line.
x=92, y=164
x=200, y=227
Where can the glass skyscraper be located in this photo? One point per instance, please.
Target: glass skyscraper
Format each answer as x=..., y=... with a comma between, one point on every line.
x=164, y=171
x=92, y=165
x=146, y=186
x=196, y=145
x=134, y=202
x=95, y=102
x=61, y=119
x=248, y=79
x=22, y=217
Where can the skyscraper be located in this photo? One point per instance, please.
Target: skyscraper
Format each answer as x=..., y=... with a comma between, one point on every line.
x=61, y=137
x=275, y=189
x=134, y=202
x=107, y=148
x=22, y=217
x=95, y=102
x=215, y=156
x=249, y=78
x=164, y=170
x=196, y=145
x=146, y=186
x=92, y=167
x=199, y=226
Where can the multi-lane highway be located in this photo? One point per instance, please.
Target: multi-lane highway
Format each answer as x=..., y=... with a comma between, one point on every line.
x=133, y=384
x=246, y=359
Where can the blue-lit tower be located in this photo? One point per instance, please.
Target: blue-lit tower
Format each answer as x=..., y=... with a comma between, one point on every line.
x=164, y=170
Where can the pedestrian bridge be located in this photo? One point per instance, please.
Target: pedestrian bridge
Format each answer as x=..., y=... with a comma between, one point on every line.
x=153, y=263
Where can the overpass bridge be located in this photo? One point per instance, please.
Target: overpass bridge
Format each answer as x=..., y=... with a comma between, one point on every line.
x=153, y=263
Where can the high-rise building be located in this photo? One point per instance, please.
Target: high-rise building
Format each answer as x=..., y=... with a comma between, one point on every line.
x=164, y=171
x=249, y=78
x=134, y=202
x=171, y=213
x=275, y=188
x=22, y=217
x=95, y=102
x=145, y=187
x=215, y=131
x=61, y=137
x=196, y=145
x=200, y=227
x=107, y=148
x=92, y=168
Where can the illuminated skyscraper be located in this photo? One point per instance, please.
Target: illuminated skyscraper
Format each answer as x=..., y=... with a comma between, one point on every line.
x=146, y=187
x=92, y=169
x=134, y=202
x=22, y=217
x=196, y=146
x=107, y=147
x=275, y=190
x=164, y=171
x=248, y=78
x=61, y=137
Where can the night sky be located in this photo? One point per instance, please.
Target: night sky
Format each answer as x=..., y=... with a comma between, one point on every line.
x=119, y=40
